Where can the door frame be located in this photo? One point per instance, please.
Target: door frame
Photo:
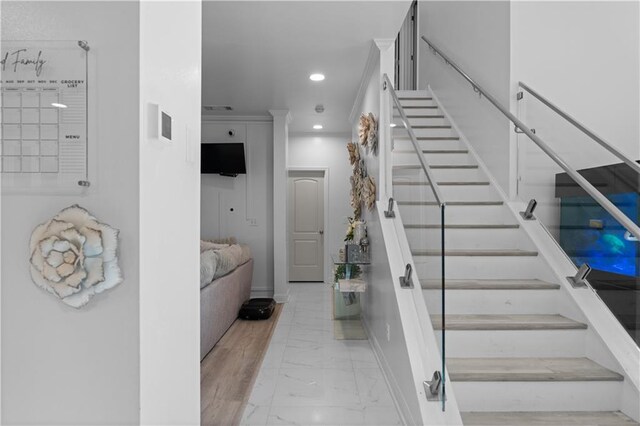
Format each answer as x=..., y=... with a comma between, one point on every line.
x=326, y=225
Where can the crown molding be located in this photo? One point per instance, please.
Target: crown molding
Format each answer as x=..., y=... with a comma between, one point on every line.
x=281, y=113
x=372, y=61
x=346, y=135
x=384, y=43
x=236, y=118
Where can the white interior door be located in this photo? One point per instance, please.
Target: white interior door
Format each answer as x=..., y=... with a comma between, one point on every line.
x=306, y=226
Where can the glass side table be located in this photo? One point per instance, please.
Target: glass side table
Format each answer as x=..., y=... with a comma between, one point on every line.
x=348, y=284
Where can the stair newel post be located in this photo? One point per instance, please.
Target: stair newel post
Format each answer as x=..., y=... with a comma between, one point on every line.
x=386, y=50
x=384, y=148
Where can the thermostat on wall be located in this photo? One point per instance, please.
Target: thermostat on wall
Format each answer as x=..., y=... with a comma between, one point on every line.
x=160, y=123
x=165, y=125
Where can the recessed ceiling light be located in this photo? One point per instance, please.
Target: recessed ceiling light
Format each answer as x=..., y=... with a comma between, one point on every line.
x=316, y=77
x=317, y=126
x=57, y=105
x=392, y=125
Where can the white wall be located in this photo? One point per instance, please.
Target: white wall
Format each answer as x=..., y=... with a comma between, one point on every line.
x=61, y=365
x=384, y=325
x=170, y=75
x=281, y=120
x=0, y=237
x=380, y=311
x=327, y=151
x=585, y=58
x=476, y=35
x=250, y=196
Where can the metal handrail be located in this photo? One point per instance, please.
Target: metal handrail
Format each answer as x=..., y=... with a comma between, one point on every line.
x=635, y=166
x=584, y=184
x=414, y=141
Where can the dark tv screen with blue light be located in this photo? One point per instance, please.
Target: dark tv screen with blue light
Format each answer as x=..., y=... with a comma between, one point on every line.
x=589, y=234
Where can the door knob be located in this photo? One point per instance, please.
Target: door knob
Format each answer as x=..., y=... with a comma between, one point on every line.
x=321, y=232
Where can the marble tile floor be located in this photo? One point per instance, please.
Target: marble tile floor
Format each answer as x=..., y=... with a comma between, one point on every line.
x=309, y=378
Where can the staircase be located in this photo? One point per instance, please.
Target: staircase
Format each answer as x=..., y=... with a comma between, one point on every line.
x=516, y=351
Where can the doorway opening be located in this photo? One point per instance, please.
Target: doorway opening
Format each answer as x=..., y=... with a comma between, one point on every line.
x=406, y=51
x=306, y=226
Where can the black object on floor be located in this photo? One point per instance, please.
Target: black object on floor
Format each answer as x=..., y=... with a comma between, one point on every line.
x=257, y=309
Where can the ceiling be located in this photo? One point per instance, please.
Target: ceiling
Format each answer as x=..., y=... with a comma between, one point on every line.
x=258, y=55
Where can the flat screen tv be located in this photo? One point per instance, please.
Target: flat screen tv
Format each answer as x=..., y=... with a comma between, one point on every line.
x=589, y=234
x=226, y=159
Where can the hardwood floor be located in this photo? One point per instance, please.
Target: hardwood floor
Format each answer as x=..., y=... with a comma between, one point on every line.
x=228, y=372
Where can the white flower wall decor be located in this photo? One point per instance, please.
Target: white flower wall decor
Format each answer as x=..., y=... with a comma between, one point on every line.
x=74, y=257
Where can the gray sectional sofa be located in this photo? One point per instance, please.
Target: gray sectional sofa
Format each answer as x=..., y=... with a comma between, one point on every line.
x=220, y=302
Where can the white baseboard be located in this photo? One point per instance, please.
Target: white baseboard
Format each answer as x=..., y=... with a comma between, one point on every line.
x=396, y=395
x=282, y=297
x=261, y=293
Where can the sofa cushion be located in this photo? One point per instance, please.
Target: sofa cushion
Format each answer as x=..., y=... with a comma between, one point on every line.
x=208, y=264
x=208, y=245
x=227, y=262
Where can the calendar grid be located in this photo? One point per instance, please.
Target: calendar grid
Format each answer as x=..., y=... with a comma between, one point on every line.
x=44, y=128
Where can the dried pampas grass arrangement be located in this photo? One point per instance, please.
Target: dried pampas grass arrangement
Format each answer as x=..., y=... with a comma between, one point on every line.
x=356, y=195
x=354, y=153
x=368, y=132
x=363, y=129
x=369, y=192
x=363, y=187
x=372, y=135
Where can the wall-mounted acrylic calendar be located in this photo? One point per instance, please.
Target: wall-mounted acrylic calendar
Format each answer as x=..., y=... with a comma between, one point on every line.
x=44, y=115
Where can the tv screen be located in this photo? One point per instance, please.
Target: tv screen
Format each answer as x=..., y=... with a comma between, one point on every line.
x=226, y=159
x=589, y=234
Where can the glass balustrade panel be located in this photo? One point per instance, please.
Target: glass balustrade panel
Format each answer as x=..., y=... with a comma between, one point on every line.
x=586, y=231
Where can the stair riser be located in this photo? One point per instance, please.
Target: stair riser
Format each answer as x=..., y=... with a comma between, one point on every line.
x=417, y=102
x=515, y=343
x=419, y=111
x=401, y=132
x=405, y=144
x=476, y=267
x=538, y=396
x=450, y=193
x=496, y=302
x=426, y=121
x=441, y=175
x=410, y=158
x=457, y=214
x=468, y=239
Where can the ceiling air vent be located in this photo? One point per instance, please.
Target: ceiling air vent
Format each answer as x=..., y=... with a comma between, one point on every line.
x=217, y=108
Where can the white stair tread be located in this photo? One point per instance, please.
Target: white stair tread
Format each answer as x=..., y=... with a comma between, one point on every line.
x=426, y=183
x=415, y=96
x=528, y=370
x=463, y=226
x=506, y=322
x=476, y=252
x=489, y=285
x=421, y=116
x=450, y=203
x=432, y=151
x=435, y=166
x=435, y=126
x=428, y=138
x=540, y=418
x=417, y=106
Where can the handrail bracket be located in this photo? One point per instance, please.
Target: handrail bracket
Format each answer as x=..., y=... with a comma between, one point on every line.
x=405, y=280
x=579, y=279
x=389, y=213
